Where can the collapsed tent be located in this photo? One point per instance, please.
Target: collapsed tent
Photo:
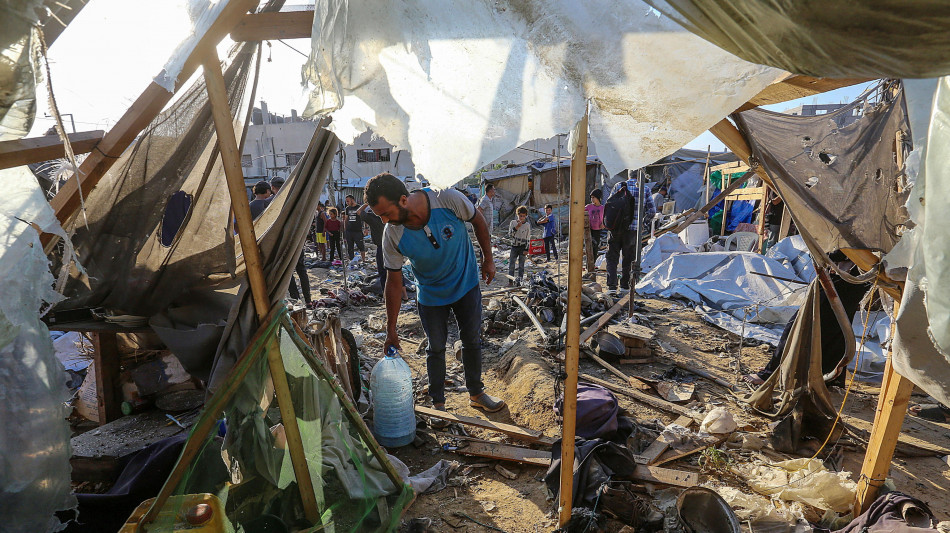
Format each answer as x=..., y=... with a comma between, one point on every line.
x=842, y=182
x=683, y=174
x=724, y=290
x=537, y=63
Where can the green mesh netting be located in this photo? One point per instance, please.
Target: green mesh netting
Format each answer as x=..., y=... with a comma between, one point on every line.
x=245, y=464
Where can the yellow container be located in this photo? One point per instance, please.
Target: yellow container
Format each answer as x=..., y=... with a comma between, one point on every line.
x=174, y=517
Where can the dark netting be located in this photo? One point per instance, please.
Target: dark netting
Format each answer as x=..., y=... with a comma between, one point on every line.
x=883, y=38
x=839, y=173
x=128, y=268
x=242, y=467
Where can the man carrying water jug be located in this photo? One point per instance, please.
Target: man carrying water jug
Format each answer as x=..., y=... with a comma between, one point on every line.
x=428, y=228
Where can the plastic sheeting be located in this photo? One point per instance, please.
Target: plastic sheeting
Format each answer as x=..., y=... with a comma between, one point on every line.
x=884, y=38
x=460, y=83
x=922, y=341
x=34, y=446
x=840, y=180
x=19, y=55
x=724, y=292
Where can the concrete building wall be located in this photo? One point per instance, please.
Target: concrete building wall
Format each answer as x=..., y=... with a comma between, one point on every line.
x=538, y=149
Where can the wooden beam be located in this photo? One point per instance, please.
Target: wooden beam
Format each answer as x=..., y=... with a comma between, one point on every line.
x=604, y=318
x=648, y=399
x=666, y=476
x=506, y=452
x=271, y=26
x=888, y=419
x=572, y=341
x=705, y=209
x=660, y=445
x=793, y=87
x=632, y=381
x=231, y=159
x=106, y=353
x=515, y=432
x=18, y=152
x=139, y=115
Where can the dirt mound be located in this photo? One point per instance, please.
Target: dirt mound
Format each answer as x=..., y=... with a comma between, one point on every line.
x=528, y=381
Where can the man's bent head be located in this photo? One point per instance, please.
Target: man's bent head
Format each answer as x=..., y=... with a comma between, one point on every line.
x=388, y=197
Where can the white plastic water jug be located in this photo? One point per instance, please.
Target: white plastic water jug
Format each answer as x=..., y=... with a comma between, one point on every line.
x=394, y=419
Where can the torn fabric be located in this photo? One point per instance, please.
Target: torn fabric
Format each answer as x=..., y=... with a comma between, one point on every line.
x=839, y=178
x=460, y=83
x=884, y=38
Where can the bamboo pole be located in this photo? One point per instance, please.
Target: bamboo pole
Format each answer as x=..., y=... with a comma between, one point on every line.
x=231, y=158
x=572, y=342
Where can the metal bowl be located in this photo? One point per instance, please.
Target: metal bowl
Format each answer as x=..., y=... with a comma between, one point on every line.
x=703, y=511
x=608, y=345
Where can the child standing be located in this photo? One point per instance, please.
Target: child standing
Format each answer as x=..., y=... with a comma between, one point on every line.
x=334, y=233
x=549, y=221
x=520, y=231
x=595, y=213
x=320, y=236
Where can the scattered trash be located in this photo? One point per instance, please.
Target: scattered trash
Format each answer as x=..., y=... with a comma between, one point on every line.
x=802, y=480
x=718, y=421
x=505, y=472
x=675, y=392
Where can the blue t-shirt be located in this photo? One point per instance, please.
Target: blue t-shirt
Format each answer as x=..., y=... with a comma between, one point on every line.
x=444, y=273
x=550, y=227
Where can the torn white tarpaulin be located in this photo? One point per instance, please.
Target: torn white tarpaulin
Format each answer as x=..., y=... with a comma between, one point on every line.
x=725, y=292
x=922, y=340
x=34, y=445
x=459, y=83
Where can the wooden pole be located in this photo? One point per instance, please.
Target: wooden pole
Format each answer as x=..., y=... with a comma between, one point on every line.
x=888, y=419
x=705, y=209
x=725, y=204
x=572, y=341
x=231, y=158
x=762, y=207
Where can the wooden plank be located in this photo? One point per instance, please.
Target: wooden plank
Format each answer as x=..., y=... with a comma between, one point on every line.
x=660, y=445
x=18, y=152
x=648, y=399
x=666, y=476
x=732, y=167
x=704, y=374
x=645, y=352
x=595, y=327
x=106, y=359
x=674, y=455
x=515, y=432
x=763, y=203
x=272, y=26
x=634, y=382
x=632, y=331
x=640, y=361
x=506, y=452
x=572, y=340
x=145, y=108
x=794, y=86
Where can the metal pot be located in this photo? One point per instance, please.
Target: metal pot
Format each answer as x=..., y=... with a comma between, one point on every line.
x=608, y=346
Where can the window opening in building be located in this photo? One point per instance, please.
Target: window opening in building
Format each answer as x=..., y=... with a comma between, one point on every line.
x=292, y=158
x=372, y=155
x=245, y=160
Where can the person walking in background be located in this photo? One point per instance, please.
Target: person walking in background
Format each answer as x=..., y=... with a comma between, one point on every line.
x=487, y=206
x=520, y=232
x=353, y=230
x=320, y=236
x=659, y=198
x=549, y=222
x=261, y=199
x=376, y=234
x=595, y=213
x=334, y=229
x=620, y=216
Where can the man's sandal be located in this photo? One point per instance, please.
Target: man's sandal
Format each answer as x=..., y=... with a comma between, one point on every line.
x=438, y=423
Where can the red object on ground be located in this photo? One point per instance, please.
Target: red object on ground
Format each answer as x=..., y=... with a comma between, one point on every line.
x=536, y=247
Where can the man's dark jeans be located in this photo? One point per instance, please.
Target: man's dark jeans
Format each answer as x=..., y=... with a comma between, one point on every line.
x=621, y=242
x=380, y=268
x=435, y=322
x=550, y=245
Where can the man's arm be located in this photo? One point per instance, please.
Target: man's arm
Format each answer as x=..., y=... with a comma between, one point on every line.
x=362, y=208
x=484, y=242
x=393, y=294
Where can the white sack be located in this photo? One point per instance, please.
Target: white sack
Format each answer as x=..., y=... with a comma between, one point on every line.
x=459, y=82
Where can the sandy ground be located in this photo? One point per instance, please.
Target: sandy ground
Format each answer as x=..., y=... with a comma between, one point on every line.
x=524, y=377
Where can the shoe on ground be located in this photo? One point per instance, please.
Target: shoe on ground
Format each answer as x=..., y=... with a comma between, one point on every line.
x=511, y=283
x=487, y=403
x=438, y=423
